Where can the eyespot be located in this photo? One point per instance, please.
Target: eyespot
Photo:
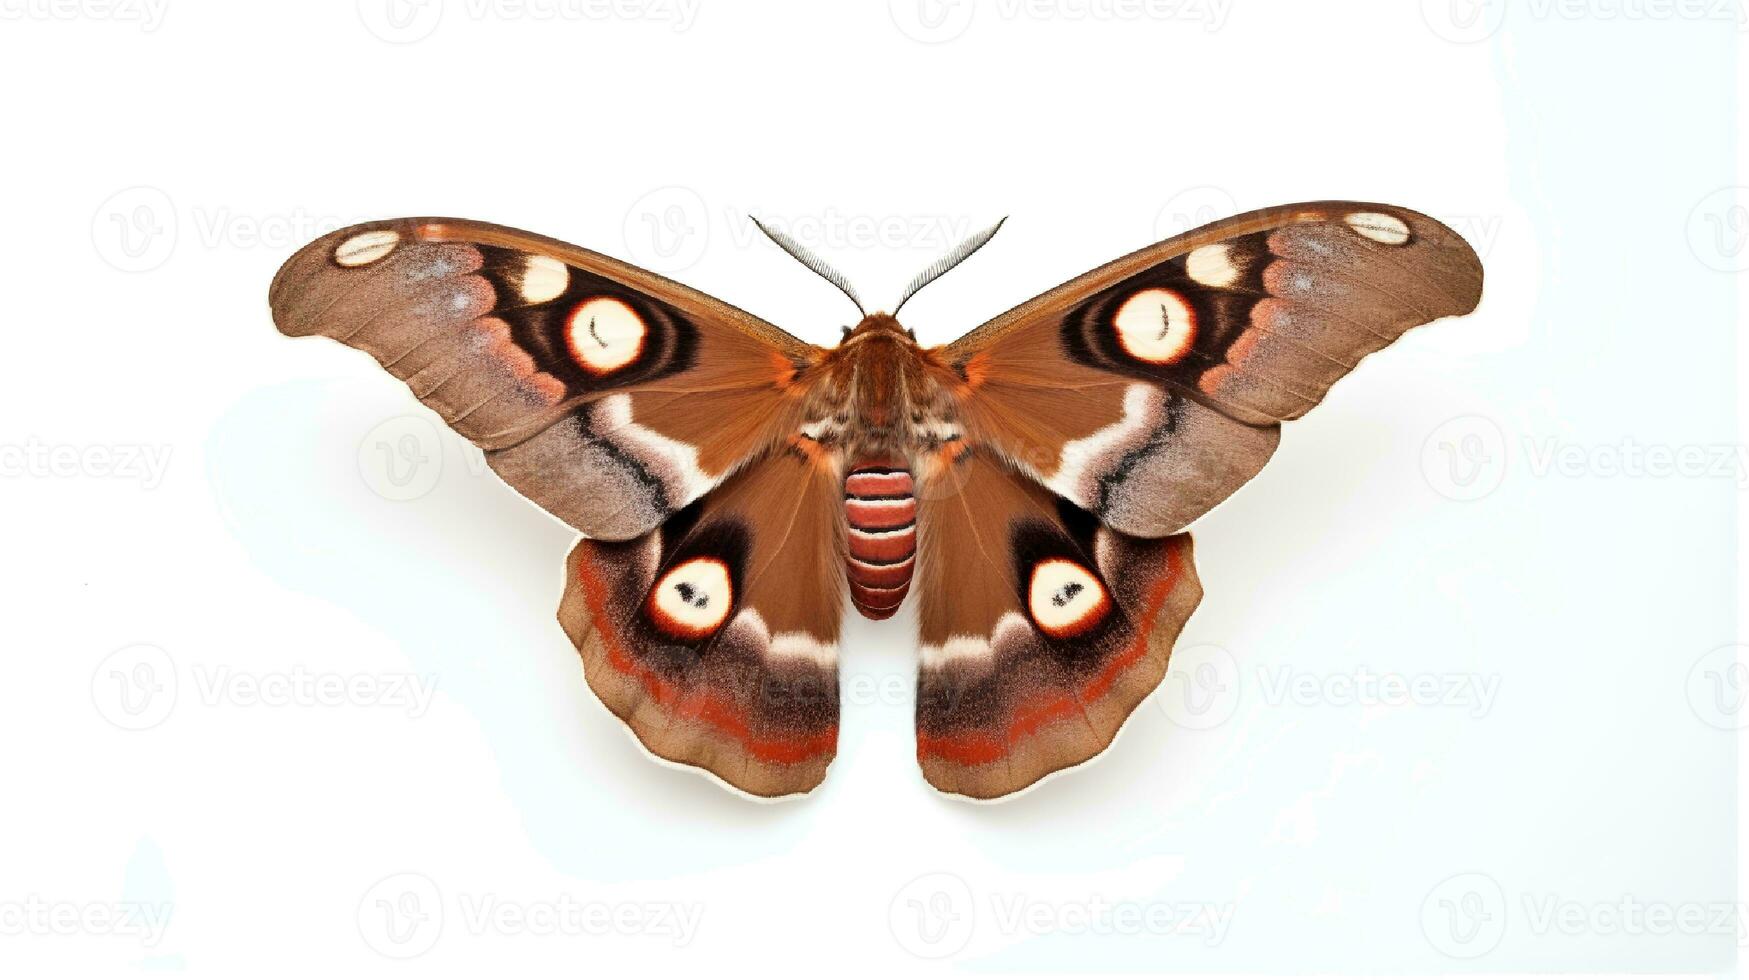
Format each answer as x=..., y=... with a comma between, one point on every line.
x=1156, y=326
x=1066, y=600
x=693, y=599
x=604, y=335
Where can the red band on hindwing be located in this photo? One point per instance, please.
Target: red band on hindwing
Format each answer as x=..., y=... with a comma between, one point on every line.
x=708, y=707
x=980, y=747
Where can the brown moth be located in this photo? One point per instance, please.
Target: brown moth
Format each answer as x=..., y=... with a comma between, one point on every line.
x=1028, y=484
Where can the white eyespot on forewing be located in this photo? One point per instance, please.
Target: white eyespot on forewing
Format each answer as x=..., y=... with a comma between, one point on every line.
x=1066, y=599
x=1156, y=326
x=366, y=247
x=604, y=335
x=1212, y=265
x=693, y=599
x=543, y=278
x=1386, y=229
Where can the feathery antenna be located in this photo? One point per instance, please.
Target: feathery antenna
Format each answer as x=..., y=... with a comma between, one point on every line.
x=960, y=253
x=801, y=254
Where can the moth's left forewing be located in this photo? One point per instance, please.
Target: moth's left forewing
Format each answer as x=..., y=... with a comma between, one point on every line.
x=1151, y=388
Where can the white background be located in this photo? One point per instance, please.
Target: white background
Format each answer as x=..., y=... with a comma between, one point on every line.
x=283, y=692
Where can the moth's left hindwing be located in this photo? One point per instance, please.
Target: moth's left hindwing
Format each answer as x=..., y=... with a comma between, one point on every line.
x=609, y=395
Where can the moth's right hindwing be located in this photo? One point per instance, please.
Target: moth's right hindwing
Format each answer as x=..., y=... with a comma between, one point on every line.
x=608, y=395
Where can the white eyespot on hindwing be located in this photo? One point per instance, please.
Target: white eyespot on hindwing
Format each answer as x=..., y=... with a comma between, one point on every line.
x=1066, y=599
x=604, y=335
x=1156, y=326
x=1211, y=265
x=366, y=247
x=693, y=600
x=1386, y=229
x=543, y=278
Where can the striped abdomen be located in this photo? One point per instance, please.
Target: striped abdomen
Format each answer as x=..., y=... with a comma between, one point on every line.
x=882, y=513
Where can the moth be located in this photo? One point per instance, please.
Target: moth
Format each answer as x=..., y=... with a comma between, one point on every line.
x=1028, y=485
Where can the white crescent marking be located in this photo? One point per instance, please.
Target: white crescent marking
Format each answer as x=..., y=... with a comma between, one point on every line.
x=1386, y=229
x=366, y=247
